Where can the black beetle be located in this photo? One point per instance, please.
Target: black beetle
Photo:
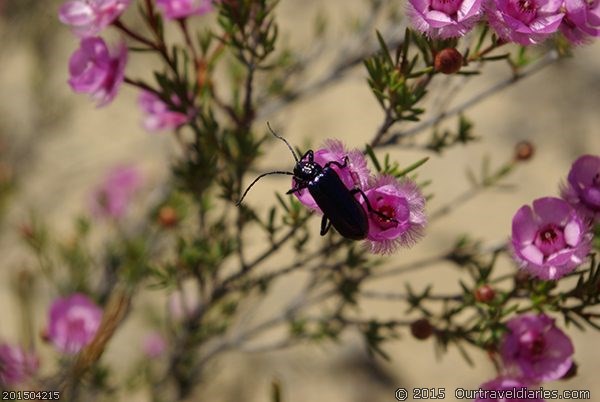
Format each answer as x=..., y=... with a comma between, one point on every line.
x=338, y=203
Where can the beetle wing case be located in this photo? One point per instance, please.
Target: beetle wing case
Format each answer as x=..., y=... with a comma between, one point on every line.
x=339, y=205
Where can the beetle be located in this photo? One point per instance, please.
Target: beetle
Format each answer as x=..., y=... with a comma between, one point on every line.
x=339, y=205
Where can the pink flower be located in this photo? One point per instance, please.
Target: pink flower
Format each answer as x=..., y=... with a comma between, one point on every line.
x=506, y=390
x=154, y=345
x=582, y=190
x=176, y=9
x=535, y=348
x=73, y=322
x=550, y=240
x=355, y=174
x=158, y=115
x=398, y=199
x=526, y=22
x=444, y=18
x=582, y=20
x=112, y=198
x=93, y=70
x=89, y=17
x=16, y=365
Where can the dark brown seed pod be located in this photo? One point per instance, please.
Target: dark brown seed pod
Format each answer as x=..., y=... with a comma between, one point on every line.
x=448, y=61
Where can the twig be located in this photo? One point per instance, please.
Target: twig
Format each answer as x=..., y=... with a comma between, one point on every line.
x=538, y=66
x=336, y=73
x=413, y=266
x=387, y=323
x=188, y=40
x=249, y=112
x=266, y=254
x=271, y=347
x=388, y=121
x=462, y=198
x=228, y=344
x=371, y=294
x=141, y=85
x=134, y=35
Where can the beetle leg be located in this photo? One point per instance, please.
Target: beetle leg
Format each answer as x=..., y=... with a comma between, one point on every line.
x=310, y=154
x=295, y=189
x=370, y=208
x=325, y=225
x=336, y=163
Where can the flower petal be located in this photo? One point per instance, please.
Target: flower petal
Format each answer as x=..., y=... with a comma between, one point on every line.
x=524, y=226
x=573, y=233
x=532, y=254
x=552, y=210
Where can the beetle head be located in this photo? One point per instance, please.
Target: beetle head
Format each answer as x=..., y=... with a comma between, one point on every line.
x=305, y=171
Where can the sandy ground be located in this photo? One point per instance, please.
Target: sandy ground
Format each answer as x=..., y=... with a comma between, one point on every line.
x=555, y=109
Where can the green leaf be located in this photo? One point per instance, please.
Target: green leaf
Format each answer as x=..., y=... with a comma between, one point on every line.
x=464, y=354
x=412, y=167
x=481, y=38
x=371, y=153
x=282, y=202
x=384, y=48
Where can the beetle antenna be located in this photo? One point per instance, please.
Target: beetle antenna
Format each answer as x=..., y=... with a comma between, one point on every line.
x=284, y=140
x=257, y=179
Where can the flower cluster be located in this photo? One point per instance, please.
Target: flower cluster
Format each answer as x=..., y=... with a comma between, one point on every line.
x=178, y=9
x=16, y=365
x=98, y=71
x=395, y=207
x=533, y=351
x=526, y=22
x=553, y=238
x=444, y=19
x=93, y=69
x=549, y=240
x=158, y=115
x=582, y=189
x=88, y=18
x=112, y=197
x=73, y=322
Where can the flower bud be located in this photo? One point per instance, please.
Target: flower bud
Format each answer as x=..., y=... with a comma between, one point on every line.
x=421, y=329
x=44, y=336
x=485, y=294
x=167, y=217
x=448, y=61
x=524, y=151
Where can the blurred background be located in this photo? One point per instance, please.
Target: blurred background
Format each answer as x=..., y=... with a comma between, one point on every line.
x=55, y=146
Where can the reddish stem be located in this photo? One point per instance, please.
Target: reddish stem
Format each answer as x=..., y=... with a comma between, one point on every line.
x=119, y=24
x=141, y=85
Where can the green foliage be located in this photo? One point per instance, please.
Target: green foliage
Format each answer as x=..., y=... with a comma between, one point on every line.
x=193, y=232
x=463, y=135
x=390, y=79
